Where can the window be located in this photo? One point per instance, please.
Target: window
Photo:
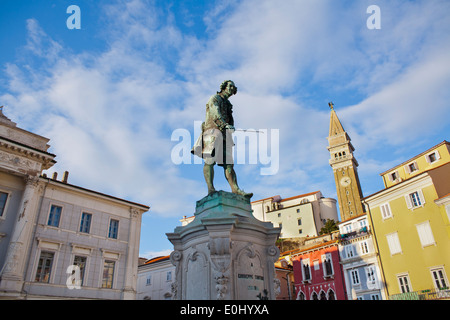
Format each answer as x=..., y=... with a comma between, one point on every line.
x=349, y=251
x=299, y=222
x=149, y=280
x=439, y=278
x=355, y=277
x=393, y=243
x=306, y=272
x=415, y=199
x=80, y=262
x=169, y=276
x=411, y=167
x=108, y=274
x=300, y=231
x=348, y=228
x=432, y=157
x=386, y=211
x=3, y=200
x=113, y=228
x=362, y=223
x=370, y=271
x=54, y=216
x=364, y=247
x=375, y=296
x=44, y=267
x=403, y=282
x=327, y=265
x=85, y=225
x=393, y=176
x=425, y=234
x=331, y=295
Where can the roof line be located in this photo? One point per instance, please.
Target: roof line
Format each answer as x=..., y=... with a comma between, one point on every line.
x=417, y=156
x=406, y=180
x=290, y=198
x=156, y=259
x=96, y=192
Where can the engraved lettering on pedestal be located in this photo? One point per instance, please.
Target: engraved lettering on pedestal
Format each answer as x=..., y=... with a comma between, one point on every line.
x=250, y=273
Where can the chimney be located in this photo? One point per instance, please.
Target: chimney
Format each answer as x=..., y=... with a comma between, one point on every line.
x=55, y=175
x=65, y=177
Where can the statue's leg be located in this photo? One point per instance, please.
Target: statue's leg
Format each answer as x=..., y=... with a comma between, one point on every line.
x=230, y=175
x=208, y=172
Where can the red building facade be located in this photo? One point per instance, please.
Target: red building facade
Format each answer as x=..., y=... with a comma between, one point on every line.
x=318, y=273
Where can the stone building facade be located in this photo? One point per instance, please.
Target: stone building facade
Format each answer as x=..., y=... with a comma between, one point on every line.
x=59, y=240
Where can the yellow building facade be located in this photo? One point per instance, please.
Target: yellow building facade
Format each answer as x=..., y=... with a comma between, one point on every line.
x=410, y=220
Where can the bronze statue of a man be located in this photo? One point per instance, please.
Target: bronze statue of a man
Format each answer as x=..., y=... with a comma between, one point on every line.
x=215, y=143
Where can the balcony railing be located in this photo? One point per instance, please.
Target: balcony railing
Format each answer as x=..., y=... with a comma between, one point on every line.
x=354, y=234
x=431, y=294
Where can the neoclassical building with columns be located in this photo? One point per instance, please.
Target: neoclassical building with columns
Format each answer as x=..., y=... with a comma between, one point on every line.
x=58, y=240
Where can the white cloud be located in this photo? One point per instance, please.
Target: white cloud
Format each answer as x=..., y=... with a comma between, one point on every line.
x=110, y=114
x=154, y=254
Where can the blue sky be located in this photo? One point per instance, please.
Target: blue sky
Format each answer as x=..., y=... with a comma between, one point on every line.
x=110, y=95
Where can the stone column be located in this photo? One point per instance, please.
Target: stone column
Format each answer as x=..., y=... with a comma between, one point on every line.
x=13, y=274
x=130, y=284
x=225, y=253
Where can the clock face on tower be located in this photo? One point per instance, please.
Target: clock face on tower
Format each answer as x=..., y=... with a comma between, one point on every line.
x=345, y=181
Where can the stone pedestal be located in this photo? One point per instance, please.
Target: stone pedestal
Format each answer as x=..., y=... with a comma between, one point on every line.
x=225, y=253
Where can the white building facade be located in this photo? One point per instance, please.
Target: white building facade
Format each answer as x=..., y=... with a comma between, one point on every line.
x=300, y=216
x=59, y=240
x=359, y=261
x=155, y=278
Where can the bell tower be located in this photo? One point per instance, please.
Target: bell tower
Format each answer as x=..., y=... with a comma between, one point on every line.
x=344, y=167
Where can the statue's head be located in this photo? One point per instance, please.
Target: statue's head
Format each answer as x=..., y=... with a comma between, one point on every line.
x=228, y=85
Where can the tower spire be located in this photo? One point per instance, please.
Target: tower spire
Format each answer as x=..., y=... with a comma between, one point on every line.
x=344, y=167
x=336, y=127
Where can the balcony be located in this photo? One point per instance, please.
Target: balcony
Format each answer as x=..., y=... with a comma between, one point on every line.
x=430, y=294
x=354, y=234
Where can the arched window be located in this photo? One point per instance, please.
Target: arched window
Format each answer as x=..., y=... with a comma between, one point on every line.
x=314, y=296
x=331, y=295
x=301, y=296
x=323, y=295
